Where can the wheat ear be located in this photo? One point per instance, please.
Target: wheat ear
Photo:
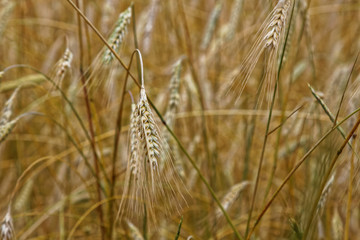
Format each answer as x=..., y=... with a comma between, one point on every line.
x=269, y=36
x=117, y=36
x=146, y=184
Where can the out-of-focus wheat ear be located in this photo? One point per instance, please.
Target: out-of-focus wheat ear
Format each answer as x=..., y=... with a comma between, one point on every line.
x=7, y=110
x=210, y=26
x=7, y=227
x=337, y=225
x=6, y=129
x=236, y=10
x=296, y=228
x=324, y=195
x=174, y=99
x=231, y=196
x=6, y=9
x=63, y=66
x=117, y=36
x=108, y=11
x=134, y=231
x=23, y=196
x=149, y=25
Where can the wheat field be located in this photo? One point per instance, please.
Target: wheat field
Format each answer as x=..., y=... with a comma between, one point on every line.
x=179, y=119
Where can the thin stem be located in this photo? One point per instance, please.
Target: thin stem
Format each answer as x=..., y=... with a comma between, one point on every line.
x=141, y=67
x=135, y=36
